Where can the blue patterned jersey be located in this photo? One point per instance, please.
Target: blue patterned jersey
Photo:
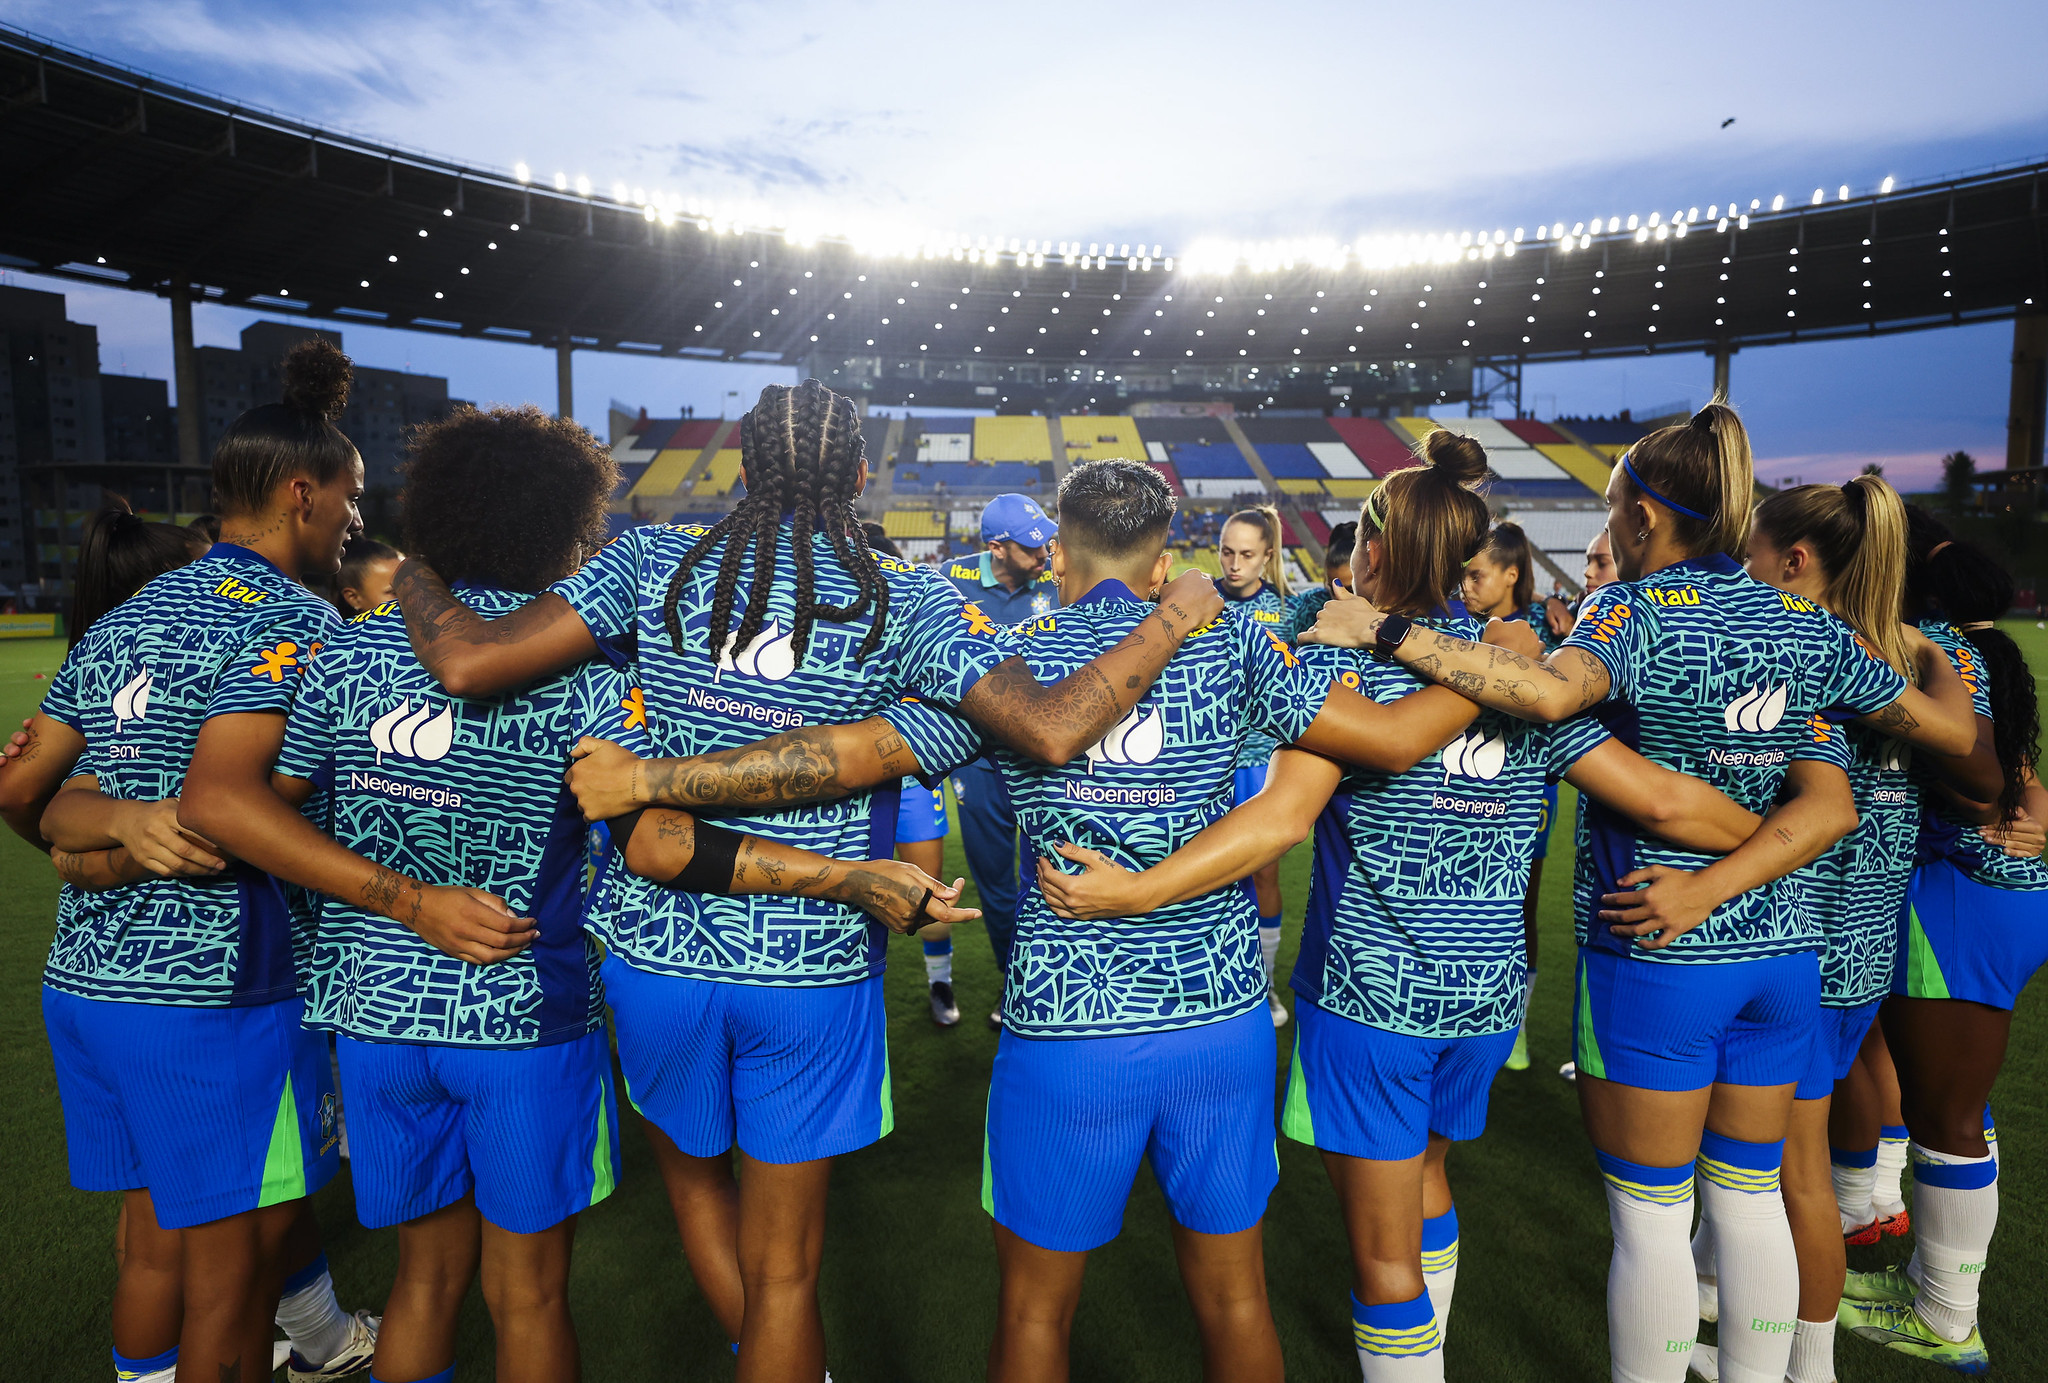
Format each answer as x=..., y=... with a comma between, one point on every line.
x=1302, y=610
x=1415, y=904
x=1720, y=676
x=1857, y=890
x=228, y=634
x=1943, y=834
x=934, y=646
x=1268, y=609
x=1145, y=789
x=460, y=792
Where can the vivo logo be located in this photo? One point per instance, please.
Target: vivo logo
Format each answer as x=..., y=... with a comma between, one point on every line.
x=409, y=734
x=769, y=657
x=1475, y=754
x=1757, y=710
x=132, y=701
x=1136, y=739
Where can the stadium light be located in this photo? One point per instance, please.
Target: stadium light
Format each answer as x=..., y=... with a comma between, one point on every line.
x=1777, y=202
x=1885, y=186
x=521, y=172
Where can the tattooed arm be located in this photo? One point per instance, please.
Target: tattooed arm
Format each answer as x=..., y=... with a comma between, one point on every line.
x=81, y=819
x=1937, y=716
x=473, y=656
x=230, y=797
x=1816, y=810
x=815, y=764
x=664, y=843
x=48, y=751
x=1547, y=689
x=98, y=870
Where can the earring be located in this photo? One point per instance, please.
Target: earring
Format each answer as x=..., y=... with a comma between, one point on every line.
x=1643, y=535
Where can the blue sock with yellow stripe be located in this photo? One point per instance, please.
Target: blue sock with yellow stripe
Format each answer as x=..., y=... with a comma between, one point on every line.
x=158, y=1368
x=1397, y=1341
x=1755, y=1264
x=1440, y=1265
x=1652, y=1303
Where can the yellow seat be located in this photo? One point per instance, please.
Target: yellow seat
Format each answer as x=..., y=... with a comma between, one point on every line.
x=1417, y=428
x=1582, y=465
x=1012, y=439
x=1102, y=439
x=720, y=476
x=664, y=473
x=913, y=523
x=1204, y=559
x=1351, y=489
x=1300, y=487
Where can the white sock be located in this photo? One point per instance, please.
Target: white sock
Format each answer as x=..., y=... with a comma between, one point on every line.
x=1886, y=1196
x=310, y=1315
x=1704, y=1272
x=1955, y=1210
x=1756, y=1267
x=1855, y=1183
x=1813, y=1352
x=1440, y=1267
x=1269, y=946
x=1651, y=1323
x=1397, y=1342
x=938, y=962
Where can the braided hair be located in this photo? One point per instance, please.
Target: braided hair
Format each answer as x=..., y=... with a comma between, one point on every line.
x=802, y=451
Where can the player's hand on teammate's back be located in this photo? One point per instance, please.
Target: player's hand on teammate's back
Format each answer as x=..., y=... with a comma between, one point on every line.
x=471, y=925
x=16, y=742
x=603, y=777
x=1516, y=636
x=1664, y=904
x=1103, y=888
x=1347, y=620
x=2023, y=837
x=1194, y=593
x=895, y=894
x=159, y=844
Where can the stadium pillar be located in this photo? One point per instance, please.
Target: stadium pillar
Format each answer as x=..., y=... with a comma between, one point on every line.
x=1722, y=351
x=2026, y=423
x=565, y=384
x=185, y=371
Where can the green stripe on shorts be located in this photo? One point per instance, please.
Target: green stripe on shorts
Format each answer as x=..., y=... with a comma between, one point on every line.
x=284, y=1165
x=1924, y=979
x=1588, y=1054
x=1295, y=1119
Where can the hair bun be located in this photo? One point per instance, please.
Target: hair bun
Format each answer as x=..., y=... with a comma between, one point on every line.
x=1456, y=455
x=316, y=379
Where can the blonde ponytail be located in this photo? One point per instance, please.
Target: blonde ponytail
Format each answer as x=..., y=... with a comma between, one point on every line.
x=1701, y=470
x=1858, y=533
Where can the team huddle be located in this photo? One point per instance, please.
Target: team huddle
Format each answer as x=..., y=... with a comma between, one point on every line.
x=294, y=846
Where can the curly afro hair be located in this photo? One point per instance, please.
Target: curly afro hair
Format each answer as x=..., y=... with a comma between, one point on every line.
x=509, y=497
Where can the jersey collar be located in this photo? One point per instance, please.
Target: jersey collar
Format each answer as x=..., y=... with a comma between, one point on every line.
x=988, y=569
x=1107, y=590
x=1713, y=564
x=1264, y=586
x=235, y=552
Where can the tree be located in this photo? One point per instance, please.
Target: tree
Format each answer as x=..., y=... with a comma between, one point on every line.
x=1959, y=478
x=1874, y=469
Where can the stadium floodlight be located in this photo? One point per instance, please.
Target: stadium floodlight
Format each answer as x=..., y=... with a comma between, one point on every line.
x=1642, y=233
x=1819, y=195
x=1693, y=214
x=1723, y=226
x=521, y=172
x=561, y=181
x=1655, y=217
x=1777, y=202
x=1742, y=222
x=1843, y=196
x=1632, y=221
x=1885, y=186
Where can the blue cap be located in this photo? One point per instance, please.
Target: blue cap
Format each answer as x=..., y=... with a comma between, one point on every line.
x=1018, y=519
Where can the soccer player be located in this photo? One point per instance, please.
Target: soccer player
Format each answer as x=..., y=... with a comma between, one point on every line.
x=1558, y=616
x=173, y=1003
x=1500, y=583
x=1697, y=982
x=1301, y=610
x=1412, y=961
x=367, y=567
x=1011, y=584
x=757, y=1023
x=1976, y=932
x=1254, y=583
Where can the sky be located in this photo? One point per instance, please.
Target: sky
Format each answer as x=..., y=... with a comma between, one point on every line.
x=1168, y=123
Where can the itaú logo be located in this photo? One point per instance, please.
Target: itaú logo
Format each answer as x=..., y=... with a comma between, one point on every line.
x=769, y=657
x=1756, y=710
x=1136, y=739
x=131, y=702
x=1475, y=754
x=414, y=734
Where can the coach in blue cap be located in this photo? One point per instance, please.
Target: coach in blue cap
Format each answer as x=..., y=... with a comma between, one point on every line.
x=1012, y=584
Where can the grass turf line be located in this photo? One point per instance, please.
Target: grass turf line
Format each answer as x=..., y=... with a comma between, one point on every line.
x=909, y=1281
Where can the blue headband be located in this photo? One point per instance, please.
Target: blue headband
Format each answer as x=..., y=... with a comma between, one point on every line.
x=1673, y=505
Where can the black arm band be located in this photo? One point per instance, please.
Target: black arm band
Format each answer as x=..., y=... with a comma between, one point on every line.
x=622, y=828
x=710, y=868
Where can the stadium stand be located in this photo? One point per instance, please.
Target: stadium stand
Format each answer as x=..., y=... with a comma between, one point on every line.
x=945, y=439
x=1381, y=449
x=914, y=523
x=1165, y=432
x=722, y=475
x=1011, y=439
x=1091, y=438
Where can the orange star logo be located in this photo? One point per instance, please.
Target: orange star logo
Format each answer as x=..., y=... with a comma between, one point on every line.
x=977, y=622
x=635, y=707
x=276, y=660
x=1282, y=647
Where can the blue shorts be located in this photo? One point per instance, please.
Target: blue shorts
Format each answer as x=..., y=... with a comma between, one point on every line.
x=1660, y=1025
x=1069, y=1122
x=533, y=1131
x=1543, y=822
x=216, y=1110
x=1966, y=940
x=1246, y=782
x=921, y=813
x=1365, y=1092
x=790, y=1075
x=1837, y=1038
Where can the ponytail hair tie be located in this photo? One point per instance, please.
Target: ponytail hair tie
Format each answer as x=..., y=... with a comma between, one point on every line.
x=1704, y=419
x=1978, y=624
x=125, y=521
x=1858, y=500
x=1932, y=552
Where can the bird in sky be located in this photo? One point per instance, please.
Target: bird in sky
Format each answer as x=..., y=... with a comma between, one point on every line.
x=1726, y=123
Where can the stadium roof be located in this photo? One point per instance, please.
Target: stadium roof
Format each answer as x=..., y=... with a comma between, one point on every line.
x=117, y=177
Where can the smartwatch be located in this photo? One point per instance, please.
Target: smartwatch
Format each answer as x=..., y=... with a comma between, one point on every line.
x=1394, y=631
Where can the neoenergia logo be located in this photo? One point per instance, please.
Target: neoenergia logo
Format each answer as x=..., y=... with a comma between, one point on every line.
x=1475, y=754
x=131, y=702
x=409, y=734
x=769, y=657
x=1136, y=739
x=1756, y=710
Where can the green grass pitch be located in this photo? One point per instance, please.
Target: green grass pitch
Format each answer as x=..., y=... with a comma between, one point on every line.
x=909, y=1282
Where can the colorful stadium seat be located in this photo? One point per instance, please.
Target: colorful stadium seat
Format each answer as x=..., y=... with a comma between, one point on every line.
x=1210, y=461
x=1381, y=448
x=722, y=475
x=1289, y=461
x=1582, y=465
x=662, y=475
x=1339, y=461
x=1090, y=438
x=914, y=523
x=1011, y=439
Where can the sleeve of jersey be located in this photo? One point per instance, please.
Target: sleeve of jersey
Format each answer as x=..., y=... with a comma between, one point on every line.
x=941, y=742
x=1287, y=690
x=1572, y=740
x=1824, y=741
x=308, y=748
x=1864, y=682
x=267, y=671
x=606, y=704
x=944, y=644
x=605, y=591
x=1611, y=628
x=1963, y=658
x=60, y=702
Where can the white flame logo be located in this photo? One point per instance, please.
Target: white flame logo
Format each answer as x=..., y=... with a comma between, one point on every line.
x=769, y=657
x=1475, y=754
x=1756, y=710
x=409, y=734
x=132, y=701
x=1895, y=758
x=1136, y=739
